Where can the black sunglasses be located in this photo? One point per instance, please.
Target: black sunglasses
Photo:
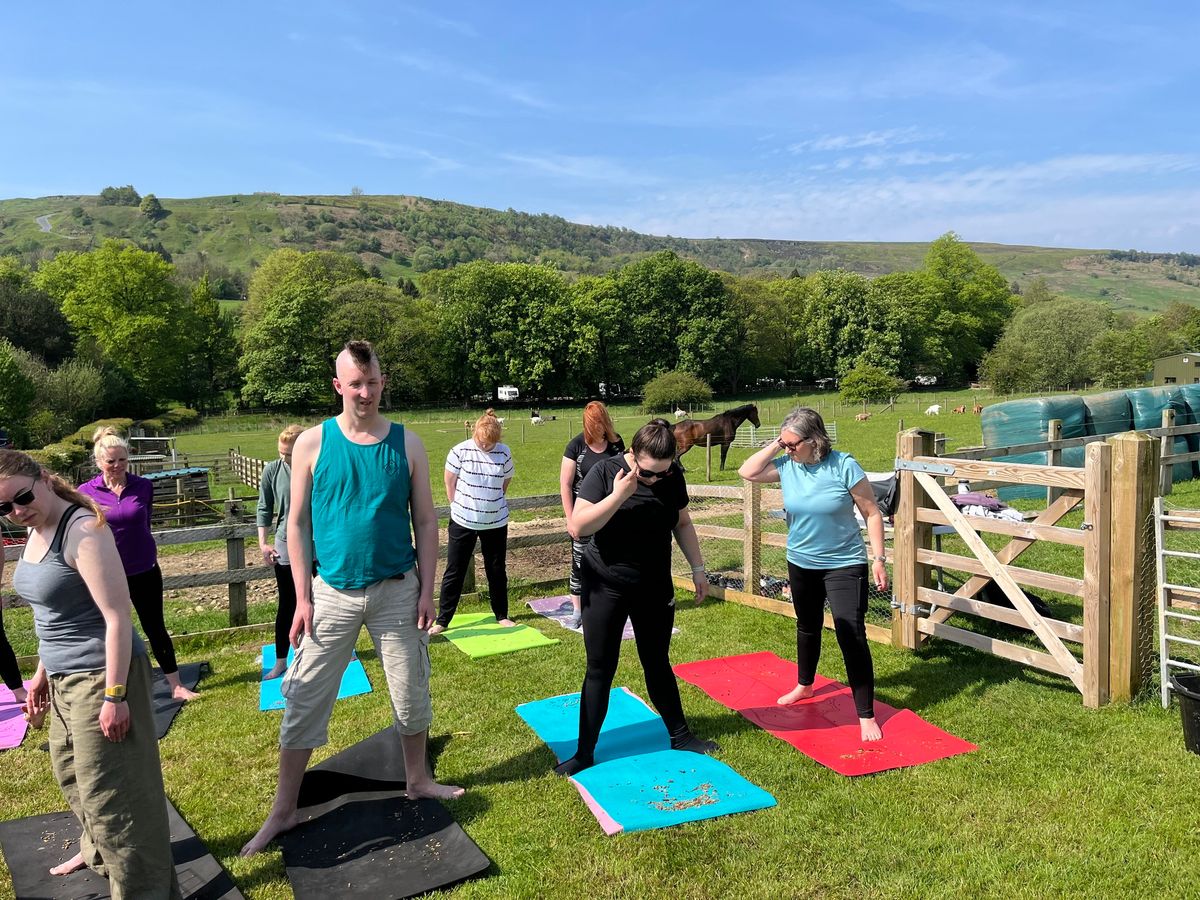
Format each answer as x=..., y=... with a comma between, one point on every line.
x=22, y=499
x=654, y=476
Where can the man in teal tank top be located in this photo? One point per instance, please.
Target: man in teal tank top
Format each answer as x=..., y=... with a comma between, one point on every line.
x=360, y=493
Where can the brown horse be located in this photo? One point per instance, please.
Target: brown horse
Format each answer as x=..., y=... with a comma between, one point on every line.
x=722, y=427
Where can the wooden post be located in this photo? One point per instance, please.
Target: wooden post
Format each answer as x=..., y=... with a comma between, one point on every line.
x=939, y=444
x=708, y=457
x=1166, y=447
x=1134, y=480
x=1097, y=519
x=1054, y=457
x=235, y=559
x=908, y=536
x=752, y=528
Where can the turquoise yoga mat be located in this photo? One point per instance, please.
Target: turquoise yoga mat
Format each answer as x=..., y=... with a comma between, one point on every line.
x=354, y=680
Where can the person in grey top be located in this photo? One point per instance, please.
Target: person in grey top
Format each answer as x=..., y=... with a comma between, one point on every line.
x=93, y=677
x=274, y=494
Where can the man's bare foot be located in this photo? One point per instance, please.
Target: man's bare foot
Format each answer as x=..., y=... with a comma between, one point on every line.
x=507, y=623
x=433, y=791
x=796, y=694
x=275, y=825
x=870, y=730
x=435, y=628
x=276, y=670
x=180, y=692
x=74, y=864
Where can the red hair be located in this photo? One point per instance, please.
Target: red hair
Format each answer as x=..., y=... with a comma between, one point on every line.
x=597, y=425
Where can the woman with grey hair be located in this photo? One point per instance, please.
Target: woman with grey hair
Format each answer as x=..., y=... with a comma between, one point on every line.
x=826, y=557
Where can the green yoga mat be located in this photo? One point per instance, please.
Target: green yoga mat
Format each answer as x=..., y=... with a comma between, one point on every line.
x=479, y=635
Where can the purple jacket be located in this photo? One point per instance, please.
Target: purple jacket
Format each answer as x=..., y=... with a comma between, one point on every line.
x=129, y=518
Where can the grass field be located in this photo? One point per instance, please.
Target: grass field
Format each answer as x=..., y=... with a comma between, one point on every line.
x=1057, y=801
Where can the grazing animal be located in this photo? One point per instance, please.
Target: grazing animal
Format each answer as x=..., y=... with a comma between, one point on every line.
x=977, y=408
x=722, y=427
x=934, y=410
x=681, y=413
x=536, y=420
x=960, y=409
x=862, y=417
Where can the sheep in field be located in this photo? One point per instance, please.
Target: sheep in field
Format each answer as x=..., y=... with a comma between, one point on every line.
x=934, y=410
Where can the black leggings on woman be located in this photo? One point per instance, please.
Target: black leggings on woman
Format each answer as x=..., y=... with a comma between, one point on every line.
x=286, y=612
x=9, y=670
x=605, y=608
x=846, y=591
x=146, y=592
x=460, y=544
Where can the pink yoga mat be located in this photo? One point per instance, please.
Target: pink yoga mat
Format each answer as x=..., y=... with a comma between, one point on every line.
x=824, y=727
x=12, y=720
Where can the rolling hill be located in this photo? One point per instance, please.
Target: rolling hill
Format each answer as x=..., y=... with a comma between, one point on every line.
x=403, y=236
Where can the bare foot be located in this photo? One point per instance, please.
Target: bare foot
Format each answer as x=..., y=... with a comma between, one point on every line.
x=435, y=628
x=870, y=730
x=507, y=623
x=74, y=864
x=796, y=694
x=275, y=825
x=19, y=694
x=276, y=670
x=433, y=791
x=179, y=692
x=37, y=720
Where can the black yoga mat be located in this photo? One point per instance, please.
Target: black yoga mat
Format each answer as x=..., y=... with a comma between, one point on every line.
x=33, y=845
x=165, y=707
x=365, y=838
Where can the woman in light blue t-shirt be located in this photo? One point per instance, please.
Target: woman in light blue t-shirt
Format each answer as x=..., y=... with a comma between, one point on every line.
x=825, y=552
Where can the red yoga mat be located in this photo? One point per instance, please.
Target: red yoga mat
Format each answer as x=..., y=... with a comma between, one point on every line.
x=824, y=727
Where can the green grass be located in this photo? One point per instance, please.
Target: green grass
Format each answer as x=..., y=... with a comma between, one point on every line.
x=1057, y=801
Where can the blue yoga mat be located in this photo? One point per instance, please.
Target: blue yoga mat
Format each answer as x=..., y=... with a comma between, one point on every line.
x=354, y=680
x=638, y=782
x=670, y=787
x=630, y=726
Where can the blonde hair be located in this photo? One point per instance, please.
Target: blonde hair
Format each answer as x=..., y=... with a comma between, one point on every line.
x=290, y=433
x=597, y=424
x=105, y=438
x=15, y=464
x=487, y=429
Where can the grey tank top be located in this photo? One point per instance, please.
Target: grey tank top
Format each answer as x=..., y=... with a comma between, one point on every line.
x=69, y=625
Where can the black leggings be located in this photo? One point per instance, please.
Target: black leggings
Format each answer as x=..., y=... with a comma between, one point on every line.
x=846, y=591
x=605, y=608
x=9, y=670
x=460, y=545
x=286, y=612
x=146, y=592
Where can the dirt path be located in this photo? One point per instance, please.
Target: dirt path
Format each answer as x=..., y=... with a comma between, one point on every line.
x=43, y=222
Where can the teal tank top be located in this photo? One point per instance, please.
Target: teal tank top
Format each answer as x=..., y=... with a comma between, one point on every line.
x=362, y=529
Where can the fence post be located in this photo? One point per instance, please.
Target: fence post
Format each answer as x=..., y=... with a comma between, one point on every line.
x=908, y=536
x=752, y=530
x=1131, y=579
x=235, y=559
x=708, y=457
x=1054, y=457
x=1097, y=516
x=1166, y=447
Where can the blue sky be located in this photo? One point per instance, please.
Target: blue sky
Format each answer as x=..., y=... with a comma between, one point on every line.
x=1052, y=123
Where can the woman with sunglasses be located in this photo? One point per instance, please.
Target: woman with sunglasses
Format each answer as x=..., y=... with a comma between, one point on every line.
x=127, y=501
x=826, y=557
x=631, y=505
x=94, y=678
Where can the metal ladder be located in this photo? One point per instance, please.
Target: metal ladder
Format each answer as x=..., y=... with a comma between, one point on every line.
x=1167, y=616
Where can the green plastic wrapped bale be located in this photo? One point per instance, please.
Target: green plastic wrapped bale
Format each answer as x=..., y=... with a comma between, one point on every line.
x=1191, y=397
x=1109, y=413
x=1148, y=405
x=1027, y=422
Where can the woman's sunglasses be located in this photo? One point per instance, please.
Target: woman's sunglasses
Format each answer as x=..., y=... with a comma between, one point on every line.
x=653, y=476
x=22, y=499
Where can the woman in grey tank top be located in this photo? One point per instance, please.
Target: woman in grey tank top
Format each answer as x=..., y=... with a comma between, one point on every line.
x=93, y=679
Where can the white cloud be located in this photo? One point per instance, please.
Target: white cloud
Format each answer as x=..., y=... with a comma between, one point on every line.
x=885, y=138
x=392, y=150
x=582, y=168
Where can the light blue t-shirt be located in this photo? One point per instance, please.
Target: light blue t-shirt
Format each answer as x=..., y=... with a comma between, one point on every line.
x=822, y=530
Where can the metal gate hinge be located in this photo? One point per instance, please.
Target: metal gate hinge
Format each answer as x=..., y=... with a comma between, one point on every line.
x=932, y=468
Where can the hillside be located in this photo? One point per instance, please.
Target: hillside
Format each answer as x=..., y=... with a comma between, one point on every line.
x=404, y=236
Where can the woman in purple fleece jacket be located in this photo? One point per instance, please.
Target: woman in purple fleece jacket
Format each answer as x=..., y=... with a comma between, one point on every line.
x=127, y=500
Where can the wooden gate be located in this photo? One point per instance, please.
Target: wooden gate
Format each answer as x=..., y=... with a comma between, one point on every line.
x=923, y=611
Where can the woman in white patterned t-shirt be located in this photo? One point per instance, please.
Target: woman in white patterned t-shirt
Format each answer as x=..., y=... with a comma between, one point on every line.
x=477, y=474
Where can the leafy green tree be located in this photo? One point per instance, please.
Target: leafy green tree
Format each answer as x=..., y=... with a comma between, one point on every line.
x=758, y=348
x=125, y=301
x=868, y=383
x=151, y=208
x=1047, y=346
x=120, y=196
x=75, y=393
x=30, y=318
x=212, y=362
x=904, y=304
x=16, y=399
x=672, y=390
x=1038, y=292
x=287, y=359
